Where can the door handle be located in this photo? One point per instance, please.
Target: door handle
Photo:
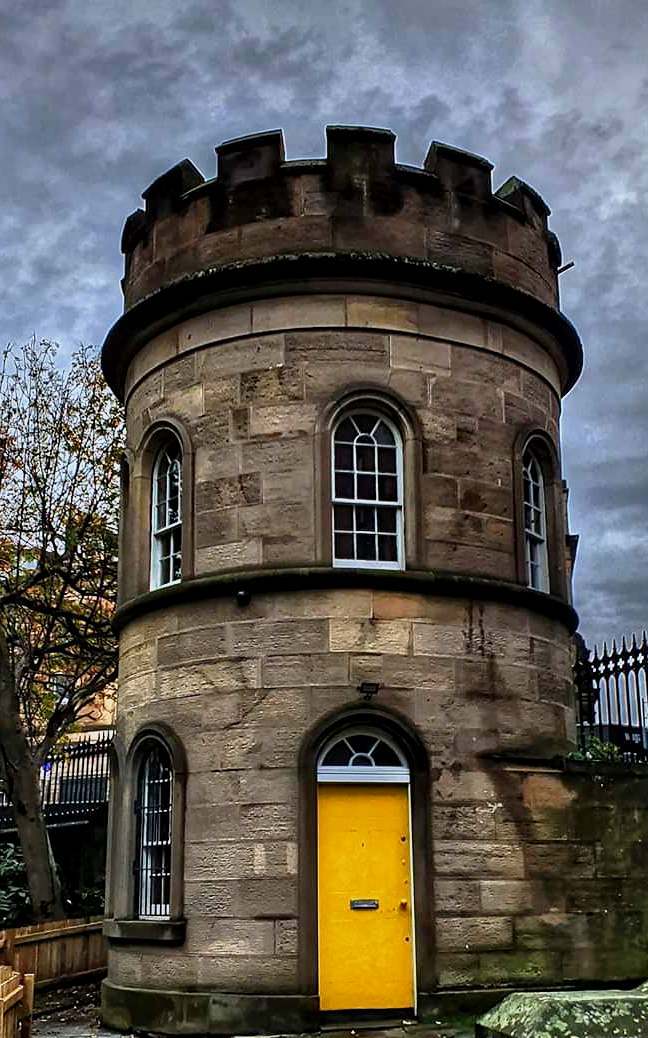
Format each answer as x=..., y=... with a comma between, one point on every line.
x=403, y=904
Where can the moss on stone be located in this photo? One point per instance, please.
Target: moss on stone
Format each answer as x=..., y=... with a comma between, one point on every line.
x=581, y=1014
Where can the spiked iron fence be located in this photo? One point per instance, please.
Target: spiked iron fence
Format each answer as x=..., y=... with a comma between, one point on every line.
x=612, y=693
x=75, y=782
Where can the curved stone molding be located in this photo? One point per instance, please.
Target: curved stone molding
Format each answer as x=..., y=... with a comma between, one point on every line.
x=420, y=334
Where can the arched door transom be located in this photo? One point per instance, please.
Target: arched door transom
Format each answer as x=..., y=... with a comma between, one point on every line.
x=361, y=755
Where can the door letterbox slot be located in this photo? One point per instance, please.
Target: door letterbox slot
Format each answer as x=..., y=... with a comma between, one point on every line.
x=363, y=903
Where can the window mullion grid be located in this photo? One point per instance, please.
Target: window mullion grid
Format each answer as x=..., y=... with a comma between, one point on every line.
x=375, y=507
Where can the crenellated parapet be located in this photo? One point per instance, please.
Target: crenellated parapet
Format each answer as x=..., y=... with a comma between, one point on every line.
x=357, y=199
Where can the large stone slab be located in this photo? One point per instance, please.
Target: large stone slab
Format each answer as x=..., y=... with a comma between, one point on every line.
x=568, y=1014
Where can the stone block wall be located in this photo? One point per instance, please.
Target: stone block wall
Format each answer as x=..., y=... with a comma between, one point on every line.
x=540, y=878
x=255, y=306
x=243, y=688
x=251, y=385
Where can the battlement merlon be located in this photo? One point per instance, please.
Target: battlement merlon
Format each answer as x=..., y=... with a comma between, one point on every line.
x=358, y=181
x=358, y=197
x=265, y=224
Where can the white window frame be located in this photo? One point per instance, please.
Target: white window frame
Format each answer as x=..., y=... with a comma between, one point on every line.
x=536, y=556
x=145, y=846
x=362, y=773
x=164, y=535
x=354, y=502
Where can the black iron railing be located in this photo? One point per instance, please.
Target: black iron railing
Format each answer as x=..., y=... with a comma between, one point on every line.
x=612, y=699
x=75, y=782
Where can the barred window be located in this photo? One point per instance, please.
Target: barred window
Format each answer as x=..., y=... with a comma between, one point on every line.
x=166, y=516
x=367, y=492
x=154, y=807
x=535, y=524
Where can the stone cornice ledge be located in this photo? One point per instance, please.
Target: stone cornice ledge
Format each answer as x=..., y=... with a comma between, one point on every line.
x=303, y=578
x=153, y=931
x=340, y=271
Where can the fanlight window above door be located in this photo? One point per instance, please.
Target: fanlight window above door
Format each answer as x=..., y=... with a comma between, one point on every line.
x=361, y=756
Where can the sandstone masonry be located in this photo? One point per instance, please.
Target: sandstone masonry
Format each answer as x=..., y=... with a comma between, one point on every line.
x=257, y=305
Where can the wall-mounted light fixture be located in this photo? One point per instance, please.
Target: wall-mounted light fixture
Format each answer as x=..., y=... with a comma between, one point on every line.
x=368, y=689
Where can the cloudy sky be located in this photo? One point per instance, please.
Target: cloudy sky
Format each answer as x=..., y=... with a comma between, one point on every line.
x=97, y=99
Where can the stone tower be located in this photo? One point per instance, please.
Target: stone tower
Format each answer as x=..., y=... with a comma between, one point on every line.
x=345, y=586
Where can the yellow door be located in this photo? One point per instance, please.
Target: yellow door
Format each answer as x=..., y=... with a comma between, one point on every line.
x=365, y=898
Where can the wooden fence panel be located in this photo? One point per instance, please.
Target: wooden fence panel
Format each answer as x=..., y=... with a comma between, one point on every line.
x=16, y=1003
x=58, y=950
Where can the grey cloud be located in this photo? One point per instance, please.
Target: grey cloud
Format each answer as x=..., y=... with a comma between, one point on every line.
x=97, y=100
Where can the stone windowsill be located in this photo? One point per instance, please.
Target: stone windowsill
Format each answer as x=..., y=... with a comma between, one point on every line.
x=164, y=931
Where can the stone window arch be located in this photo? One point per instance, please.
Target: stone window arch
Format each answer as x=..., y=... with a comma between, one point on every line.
x=367, y=484
x=536, y=556
x=369, y=474
x=153, y=839
x=166, y=515
x=142, y=550
x=148, y=867
x=540, y=518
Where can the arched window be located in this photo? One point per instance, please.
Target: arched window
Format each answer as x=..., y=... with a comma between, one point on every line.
x=361, y=755
x=166, y=516
x=535, y=523
x=153, y=809
x=367, y=481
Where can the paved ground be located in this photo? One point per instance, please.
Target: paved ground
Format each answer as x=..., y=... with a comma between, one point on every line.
x=72, y=1013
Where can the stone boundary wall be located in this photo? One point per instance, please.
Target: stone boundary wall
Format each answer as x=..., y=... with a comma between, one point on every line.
x=546, y=883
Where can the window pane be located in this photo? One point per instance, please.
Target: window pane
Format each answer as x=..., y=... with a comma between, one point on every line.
x=343, y=456
x=343, y=517
x=387, y=459
x=366, y=547
x=346, y=432
x=366, y=459
x=385, y=757
x=174, y=510
x=387, y=548
x=365, y=518
x=344, y=546
x=362, y=761
x=343, y=485
x=387, y=488
x=365, y=422
x=160, y=516
x=367, y=488
x=383, y=434
x=386, y=520
x=339, y=754
x=362, y=743
x=176, y=568
x=165, y=570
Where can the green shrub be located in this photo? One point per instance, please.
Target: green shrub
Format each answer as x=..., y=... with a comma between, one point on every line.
x=86, y=900
x=15, y=905
x=598, y=750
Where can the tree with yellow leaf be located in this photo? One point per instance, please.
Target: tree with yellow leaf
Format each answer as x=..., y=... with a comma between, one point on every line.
x=60, y=449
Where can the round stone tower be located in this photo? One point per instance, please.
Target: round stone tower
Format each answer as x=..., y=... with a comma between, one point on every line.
x=345, y=583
